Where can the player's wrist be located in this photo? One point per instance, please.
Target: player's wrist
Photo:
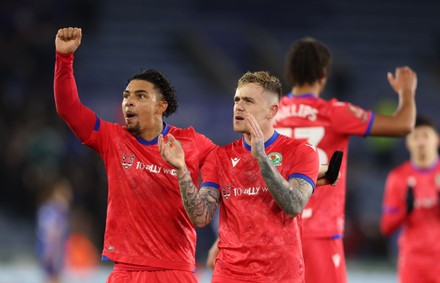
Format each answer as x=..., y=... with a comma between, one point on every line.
x=407, y=93
x=181, y=170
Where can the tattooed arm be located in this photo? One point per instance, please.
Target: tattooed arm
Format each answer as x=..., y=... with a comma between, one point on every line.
x=200, y=205
x=291, y=196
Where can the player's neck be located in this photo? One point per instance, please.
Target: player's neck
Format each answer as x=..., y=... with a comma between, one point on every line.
x=152, y=132
x=314, y=89
x=425, y=161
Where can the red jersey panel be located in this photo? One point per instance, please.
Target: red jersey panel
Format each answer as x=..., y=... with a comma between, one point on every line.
x=419, y=239
x=146, y=222
x=258, y=241
x=327, y=125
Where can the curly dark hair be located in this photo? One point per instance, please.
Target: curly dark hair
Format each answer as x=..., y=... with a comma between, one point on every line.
x=161, y=84
x=306, y=62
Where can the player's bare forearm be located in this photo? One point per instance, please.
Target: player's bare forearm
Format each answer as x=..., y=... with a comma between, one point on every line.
x=400, y=123
x=291, y=196
x=406, y=112
x=200, y=205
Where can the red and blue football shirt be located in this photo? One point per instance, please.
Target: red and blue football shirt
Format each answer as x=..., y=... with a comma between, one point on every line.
x=328, y=125
x=419, y=246
x=146, y=222
x=258, y=241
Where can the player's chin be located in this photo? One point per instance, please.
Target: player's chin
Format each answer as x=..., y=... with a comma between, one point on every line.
x=133, y=128
x=240, y=129
x=239, y=125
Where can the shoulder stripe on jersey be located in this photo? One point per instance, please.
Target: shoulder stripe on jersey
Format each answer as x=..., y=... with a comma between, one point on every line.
x=302, y=176
x=390, y=209
x=266, y=144
x=166, y=129
x=370, y=124
x=305, y=95
x=210, y=184
x=97, y=123
x=337, y=236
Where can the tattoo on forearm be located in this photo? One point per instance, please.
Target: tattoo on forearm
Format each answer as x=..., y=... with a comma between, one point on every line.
x=290, y=196
x=199, y=205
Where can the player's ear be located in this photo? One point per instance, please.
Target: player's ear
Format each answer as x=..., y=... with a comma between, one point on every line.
x=323, y=75
x=273, y=110
x=162, y=107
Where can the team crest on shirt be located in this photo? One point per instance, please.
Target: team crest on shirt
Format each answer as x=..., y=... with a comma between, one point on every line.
x=226, y=192
x=275, y=158
x=127, y=160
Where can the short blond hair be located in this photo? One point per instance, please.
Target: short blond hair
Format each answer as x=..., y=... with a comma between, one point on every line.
x=264, y=79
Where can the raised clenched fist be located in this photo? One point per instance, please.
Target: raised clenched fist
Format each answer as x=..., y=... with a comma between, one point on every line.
x=68, y=40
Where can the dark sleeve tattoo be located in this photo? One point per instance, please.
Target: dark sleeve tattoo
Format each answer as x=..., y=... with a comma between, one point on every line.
x=291, y=196
x=200, y=205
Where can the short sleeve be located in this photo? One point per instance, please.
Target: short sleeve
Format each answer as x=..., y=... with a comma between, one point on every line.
x=205, y=147
x=350, y=119
x=306, y=163
x=210, y=170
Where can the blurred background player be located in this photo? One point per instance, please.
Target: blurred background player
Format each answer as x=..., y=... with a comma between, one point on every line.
x=53, y=229
x=328, y=125
x=262, y=182
x=412, y=202
x=148, y=234
x=82, y=257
